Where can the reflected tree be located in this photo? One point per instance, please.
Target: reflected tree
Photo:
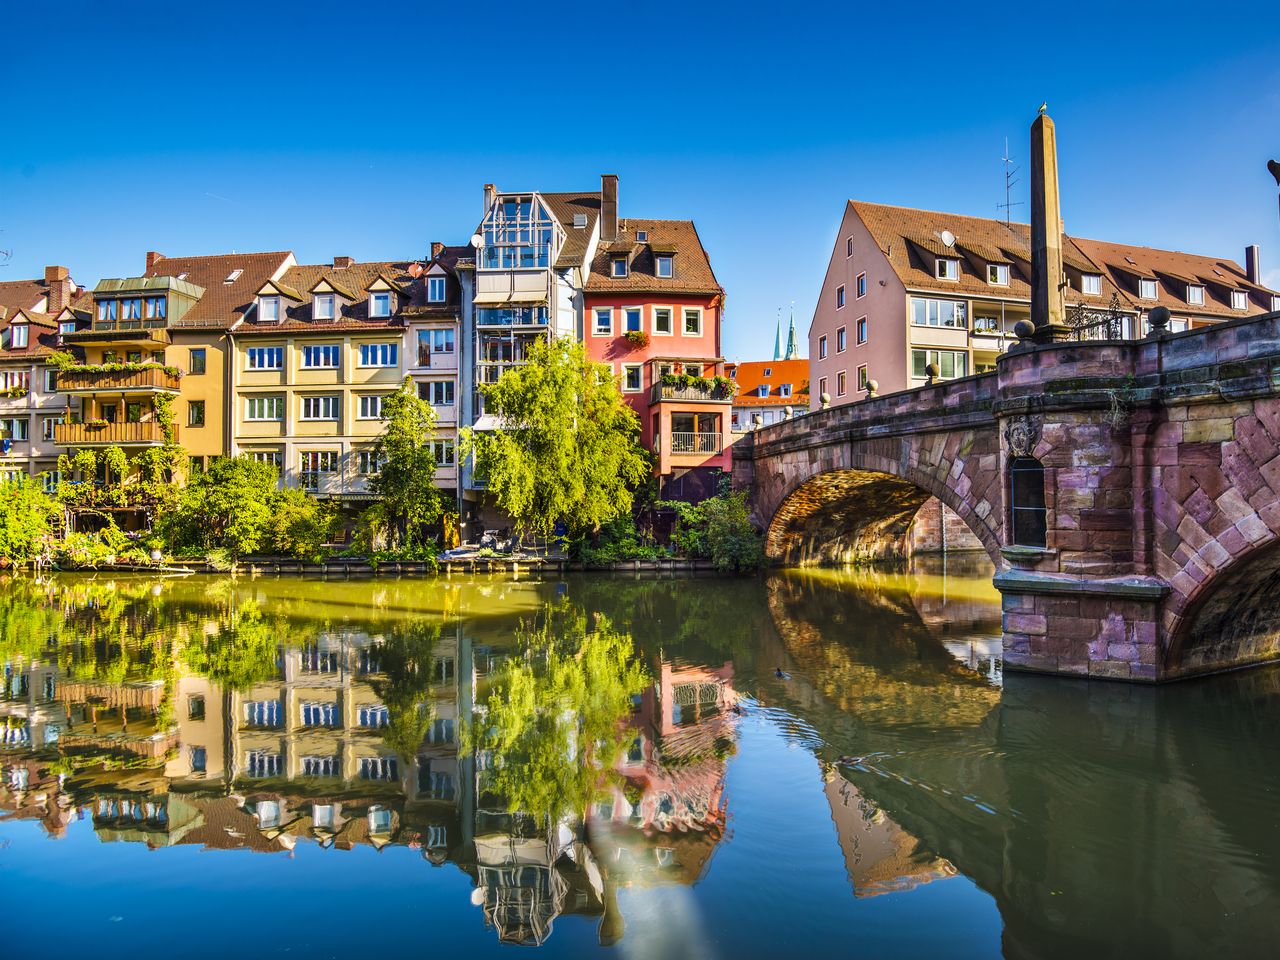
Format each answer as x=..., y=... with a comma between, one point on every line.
x=405, y=657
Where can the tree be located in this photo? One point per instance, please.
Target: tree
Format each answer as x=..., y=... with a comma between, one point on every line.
x=27, y=517
x=300, y=527
x=406, y=477
x=567, y=445
x=229, y=507
x=241, y=653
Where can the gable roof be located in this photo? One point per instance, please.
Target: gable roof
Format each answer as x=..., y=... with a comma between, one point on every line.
x=692, y=267
x=223, y=304
x=353, y=315
x=563, y=206
x=749, y=376
x=22, y=295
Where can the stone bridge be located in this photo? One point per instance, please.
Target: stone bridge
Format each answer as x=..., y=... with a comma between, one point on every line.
x=1145, y=476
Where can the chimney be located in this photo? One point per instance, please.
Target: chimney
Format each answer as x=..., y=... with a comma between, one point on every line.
x=341, y=263
x=490, y=192
x=608, y=207
x=152, y=257
x=1253, y=263
x=437, y=248
x=61, y=289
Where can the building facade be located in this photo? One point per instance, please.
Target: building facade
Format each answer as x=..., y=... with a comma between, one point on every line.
x=908, y=288
x=768, y=389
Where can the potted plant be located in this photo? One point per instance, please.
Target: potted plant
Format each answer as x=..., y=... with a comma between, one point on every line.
x=637, y=338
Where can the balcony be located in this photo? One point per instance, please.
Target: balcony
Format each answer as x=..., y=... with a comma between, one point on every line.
x=695, y=443
x=150, y=380
x=120, y=331
x=691, y=394
x=148, y=433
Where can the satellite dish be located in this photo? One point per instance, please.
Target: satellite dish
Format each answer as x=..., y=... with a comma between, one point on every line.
x=948, y=238
x=477, y=241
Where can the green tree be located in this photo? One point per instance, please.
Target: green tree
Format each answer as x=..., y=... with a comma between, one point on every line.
x=405, y=657
x=229, y=507
x=242, y=652
x=300, y=526
x=27, y=516
x=567, y=448
x=407, y=467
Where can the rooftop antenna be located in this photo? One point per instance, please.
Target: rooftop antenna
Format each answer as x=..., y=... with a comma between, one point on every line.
x=1010, y=181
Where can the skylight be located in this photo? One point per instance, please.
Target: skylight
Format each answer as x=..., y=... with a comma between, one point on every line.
x=233, y=276
x=642, y=236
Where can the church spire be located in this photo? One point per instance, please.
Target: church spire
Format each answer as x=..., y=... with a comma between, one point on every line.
x=777, y=338
x=793, y=348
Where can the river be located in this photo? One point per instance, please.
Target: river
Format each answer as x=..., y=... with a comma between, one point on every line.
x=822, y=763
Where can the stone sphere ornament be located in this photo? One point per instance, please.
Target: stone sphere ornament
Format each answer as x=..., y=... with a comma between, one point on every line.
x=1024, y=329
x=1158, y=318
x=825, y=400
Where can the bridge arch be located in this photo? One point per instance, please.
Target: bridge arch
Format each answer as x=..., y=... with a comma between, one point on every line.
x=861, y=511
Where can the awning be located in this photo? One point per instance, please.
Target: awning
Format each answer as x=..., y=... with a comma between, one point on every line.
x=491, y=298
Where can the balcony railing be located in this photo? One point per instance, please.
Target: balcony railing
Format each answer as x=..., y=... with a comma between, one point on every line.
x=120, y=380
x=98, y=434
x=695, y=443
x=712, y=394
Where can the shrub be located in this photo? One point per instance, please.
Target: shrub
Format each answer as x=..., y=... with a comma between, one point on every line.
x=27, y=517
x=618, y=540
x=301, y=526
x=718, y=529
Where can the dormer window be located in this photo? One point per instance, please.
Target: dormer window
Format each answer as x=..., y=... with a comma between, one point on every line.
x=762, y=390
x=1239, y=300
x=380, y=304
x=322, y=309
x=269, y=309
x=642, y=236
x=998, y=274
x=1195, y=294
x=784, y=390
x=1147, y=289
x=67, y=326
x=18, y=336
x=948, y=268
x=107, y=309
x=156, y=308
x=1091, y=283
x=663, y=266
x=619, y=267
x=435, y=290
x=768, y=371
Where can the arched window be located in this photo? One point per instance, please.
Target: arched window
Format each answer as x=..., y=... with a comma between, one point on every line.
x=1026, y=488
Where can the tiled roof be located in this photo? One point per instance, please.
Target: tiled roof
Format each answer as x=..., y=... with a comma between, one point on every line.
x=901, y=233
x=350, y=316
x=42, y=337
x=21, y=295
x=563, y=207
x=223, y=303
x=693, y=273
x=750, y=375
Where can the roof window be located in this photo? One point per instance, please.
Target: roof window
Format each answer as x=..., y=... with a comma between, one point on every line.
x=233, y=276
x=579, y=221
x=642, y=236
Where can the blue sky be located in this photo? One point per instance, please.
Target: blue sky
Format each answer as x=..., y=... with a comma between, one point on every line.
x=368, y=130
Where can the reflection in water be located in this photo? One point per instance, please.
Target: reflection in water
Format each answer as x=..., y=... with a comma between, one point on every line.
x=624, y=751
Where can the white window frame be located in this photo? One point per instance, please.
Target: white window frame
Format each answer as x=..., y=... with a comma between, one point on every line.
x=265, y=353
x=998, y=274
x=822, y=386
x=860, y=378
x=842, y=382
x=50, y=380
x=323, y=403
x=1143, y=285
x=1091, y=280
x=1275, y=303
x=842, y=339
x=322, y=350
x=1239, y=300
x=273, y=457
x=431, y=385
x=639, y=370
x=1195, y=294
x=47, y=425
x=619, y=269
x=822, y=347
x=596, y=329
x=670, y=264
x=439, y=449
x=329, y=298
x=848, y=247
x=385, y=354
x=947, y=268
x=367, y=463
x=840, y=297
x=437, y=290
x=269, y=309
x=265, y=403
x=684, y=319
x=66, y=326
x=861, y=331
x=19, y=331
x=860, y=286
x=639, y=311
x=367, y=402
x=671, y=321
x=377, y=297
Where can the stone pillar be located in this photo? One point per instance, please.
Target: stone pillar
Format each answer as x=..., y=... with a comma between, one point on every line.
x=1046, y=234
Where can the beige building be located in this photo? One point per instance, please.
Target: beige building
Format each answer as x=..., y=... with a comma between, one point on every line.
x=907, y=288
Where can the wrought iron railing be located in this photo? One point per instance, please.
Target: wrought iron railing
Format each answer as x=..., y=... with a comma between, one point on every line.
x=1094, y=323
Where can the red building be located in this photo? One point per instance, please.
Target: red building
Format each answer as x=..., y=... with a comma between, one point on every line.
x=652, y=310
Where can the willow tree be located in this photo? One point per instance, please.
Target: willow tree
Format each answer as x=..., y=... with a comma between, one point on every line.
x=566, y=447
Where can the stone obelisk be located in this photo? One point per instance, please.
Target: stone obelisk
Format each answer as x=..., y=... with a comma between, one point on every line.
x=1046, y=234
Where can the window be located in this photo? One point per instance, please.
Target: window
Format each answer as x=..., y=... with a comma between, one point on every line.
x=47, y=425
x=265, y=358
x=840, y=296
x=198, y=362
x=693, y=322
x=862, y=330
x=322, y=308
x=373, y=715
x=273, y=457
x=435, y=290
x=107, y=309
x=619, y=266
x=632, y=377
x=604, y=322
x=319, y=408
x=862, y=377
x=195, y=708
x=1195, y=294
x=951, y=363
x=511, y=316
x=367, y=463
x=16, y=380
x=379, y=354
x=199, y=760
x=784, y=390
x=18, y=336
x=443, y=452
x=438, y=393
x=948, y=269
x=1275, y=303
x=156, y=308
x=316, y=463
x=320, y=356
x=380, y=304
x=269, y=309
x=662, y=321
x=195, y=413
x=316, y=660
x=841, y=384
x=1147, y=289
x=322, y=815
x=1239, y=300
x=133, y=356
x=998, y=274
x=860, y=285
x=1030, y=517
x=663, y=266
x=695, y=369
x=1091, y=283
x=264, y=408
x=14, y=429
x=441, y=341
x=67, y=326
x=262, y=713
x=133, y=413
x=260, y=763
x=822, y=386
x=632, y=319
x=822, y=348
x=848, y=246
x=233, y=276
x=927, y=312
x=841, y=340
x=324, y=714
x=131, y=308
x=371, y=407
x=762, y=390
x=324, y=766
x=379, y=768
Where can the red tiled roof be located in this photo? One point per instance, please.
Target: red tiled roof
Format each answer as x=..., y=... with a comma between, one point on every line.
x=353, y=315
x=691, y=266
x=751, y=375
x=223, y=303
x=21, y=295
